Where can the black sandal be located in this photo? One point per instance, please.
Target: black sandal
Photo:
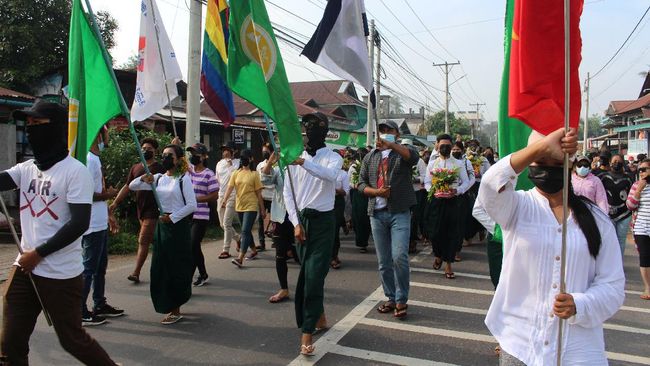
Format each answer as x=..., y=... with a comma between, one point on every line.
x=437, y=264
x=386, y=307
x=400, y=312
x=450, y=275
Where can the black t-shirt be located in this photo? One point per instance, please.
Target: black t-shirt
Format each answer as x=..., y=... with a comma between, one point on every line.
x=145, y=202
x=617, y=186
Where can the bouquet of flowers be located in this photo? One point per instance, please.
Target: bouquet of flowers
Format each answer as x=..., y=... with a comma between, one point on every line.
x=476, y=164
x=415, y=174
x=355, y=170
x=441, y=181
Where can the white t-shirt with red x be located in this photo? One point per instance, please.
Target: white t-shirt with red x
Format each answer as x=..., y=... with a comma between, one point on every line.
x=44, y=199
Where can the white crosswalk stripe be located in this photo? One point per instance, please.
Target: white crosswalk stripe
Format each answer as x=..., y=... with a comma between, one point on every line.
x=363, y=317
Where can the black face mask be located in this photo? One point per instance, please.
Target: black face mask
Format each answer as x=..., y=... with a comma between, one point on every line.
x=490, y=158
x=48, y=144
x=457, y=155
x=617, y=167
x=196, y=159
x=244, y=162
x=444, y=150
x=266, y=155
x=148, y=154
x=168, y=162
x=315, y=139
x=549, y=179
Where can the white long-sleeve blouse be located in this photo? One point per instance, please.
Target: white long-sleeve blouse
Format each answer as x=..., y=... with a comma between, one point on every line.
x=521, y=314
x=169, y=193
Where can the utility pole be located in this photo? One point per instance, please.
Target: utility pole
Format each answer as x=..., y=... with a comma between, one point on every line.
x=193, y=108
x=477, y=105
x=371, y=53
x=378, y=76
x=586, y=125
x=446, y=65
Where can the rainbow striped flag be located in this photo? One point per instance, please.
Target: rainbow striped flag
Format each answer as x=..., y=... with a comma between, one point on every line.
x=214, y=68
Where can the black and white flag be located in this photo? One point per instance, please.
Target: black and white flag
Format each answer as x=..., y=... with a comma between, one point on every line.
x=339, y=43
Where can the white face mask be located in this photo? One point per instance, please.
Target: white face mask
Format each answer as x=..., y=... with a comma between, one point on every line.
x=582, y=171
x=101, y=146
x=388, y=137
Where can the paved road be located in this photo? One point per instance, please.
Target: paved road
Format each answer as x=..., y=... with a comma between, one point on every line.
x=230, y=322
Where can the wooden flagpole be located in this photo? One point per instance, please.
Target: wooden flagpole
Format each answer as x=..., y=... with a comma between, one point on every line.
x=20, y=250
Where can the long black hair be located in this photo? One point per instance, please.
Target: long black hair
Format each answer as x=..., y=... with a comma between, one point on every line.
x=581, y=208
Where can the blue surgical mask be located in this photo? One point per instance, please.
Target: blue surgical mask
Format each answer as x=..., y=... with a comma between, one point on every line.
x=388, y=137
x=582, y=171
x=101, y=146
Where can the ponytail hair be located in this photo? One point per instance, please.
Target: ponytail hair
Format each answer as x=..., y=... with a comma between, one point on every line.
x=586, y=220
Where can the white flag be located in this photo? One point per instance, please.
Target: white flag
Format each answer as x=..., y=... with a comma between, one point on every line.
x=150, y=93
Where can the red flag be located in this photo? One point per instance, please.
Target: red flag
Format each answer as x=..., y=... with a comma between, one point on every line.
x=537, y=64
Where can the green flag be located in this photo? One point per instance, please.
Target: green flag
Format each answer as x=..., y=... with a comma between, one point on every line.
x=256, y=72
x=513, y=133
x=93, y=96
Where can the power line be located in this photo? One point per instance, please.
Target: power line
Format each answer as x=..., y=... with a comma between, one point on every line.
x=622, y=45
x=408, y=30
x=427, y=29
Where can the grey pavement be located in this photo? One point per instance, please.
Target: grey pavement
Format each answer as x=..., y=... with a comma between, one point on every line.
x=230, y=322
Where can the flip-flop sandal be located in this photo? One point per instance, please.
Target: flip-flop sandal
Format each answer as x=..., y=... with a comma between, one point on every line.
x=252, y=256
x=400, y=312
x=277, y=299
x=335, y=265
x=386, y=307
x=645, y=297
x=133, y=278
x=307, y=349
x=458, y=259
x=224, y=255
x=320, y=330
x=450, y=276
x=437, y=265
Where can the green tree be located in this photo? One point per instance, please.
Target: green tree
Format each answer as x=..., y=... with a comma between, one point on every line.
x=131, y=63
x=34, y=39
x=594, y=129
x=435, y=125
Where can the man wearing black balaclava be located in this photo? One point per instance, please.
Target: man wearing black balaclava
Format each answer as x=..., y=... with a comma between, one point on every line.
x=56, y=193
x=313, y=175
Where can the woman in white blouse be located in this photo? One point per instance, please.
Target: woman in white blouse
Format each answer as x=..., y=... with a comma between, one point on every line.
x=527, y=305
x=172, y=266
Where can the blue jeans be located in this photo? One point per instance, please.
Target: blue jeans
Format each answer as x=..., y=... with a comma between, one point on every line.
x=391, y=232
x=622, y=227
x=247, y=219
x=95, y=260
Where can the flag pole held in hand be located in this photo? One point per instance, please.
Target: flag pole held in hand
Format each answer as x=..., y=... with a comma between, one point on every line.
x=20, y=250
x=565, y=189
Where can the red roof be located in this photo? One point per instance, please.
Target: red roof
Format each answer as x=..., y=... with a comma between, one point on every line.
x=14, y=94
x=624, y=106
x=326, y=92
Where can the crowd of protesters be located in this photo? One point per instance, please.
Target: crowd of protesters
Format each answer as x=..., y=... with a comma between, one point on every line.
x=391, y=194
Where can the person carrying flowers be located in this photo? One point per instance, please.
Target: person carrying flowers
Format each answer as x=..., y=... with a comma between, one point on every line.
x=446, y=180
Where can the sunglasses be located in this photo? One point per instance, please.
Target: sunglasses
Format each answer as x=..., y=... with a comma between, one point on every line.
x=584, y=164
x=643, y=170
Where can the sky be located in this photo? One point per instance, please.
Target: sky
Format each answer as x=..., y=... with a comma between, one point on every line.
x=468, y=31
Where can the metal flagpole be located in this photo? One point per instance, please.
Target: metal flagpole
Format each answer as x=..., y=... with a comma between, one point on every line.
x=20, y=250
x=162, y=65
x=565, y=189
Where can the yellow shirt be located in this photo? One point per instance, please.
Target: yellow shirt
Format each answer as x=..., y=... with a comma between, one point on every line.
x=247, y=183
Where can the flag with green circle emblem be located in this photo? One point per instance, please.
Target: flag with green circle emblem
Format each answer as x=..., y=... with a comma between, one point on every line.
x=256, y=72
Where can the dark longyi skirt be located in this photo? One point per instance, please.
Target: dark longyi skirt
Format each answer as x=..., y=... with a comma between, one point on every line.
x=443, y=224
x=171, y=266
